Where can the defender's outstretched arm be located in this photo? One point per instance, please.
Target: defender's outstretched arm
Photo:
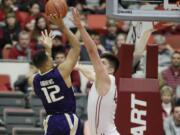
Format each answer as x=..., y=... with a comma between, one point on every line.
x=73, y=54
x=102, y=77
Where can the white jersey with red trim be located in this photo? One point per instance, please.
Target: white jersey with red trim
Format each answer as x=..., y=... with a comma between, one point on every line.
x=101, y=111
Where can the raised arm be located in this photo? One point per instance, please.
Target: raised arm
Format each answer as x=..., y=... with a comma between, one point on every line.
x=46, y=40
x=67, y=66
x=102, y=77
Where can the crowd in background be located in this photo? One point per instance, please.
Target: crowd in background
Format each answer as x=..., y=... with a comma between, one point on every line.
x=21, y=23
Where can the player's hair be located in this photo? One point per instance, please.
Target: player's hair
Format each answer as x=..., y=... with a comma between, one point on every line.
x=113, y=60
x=40, y=58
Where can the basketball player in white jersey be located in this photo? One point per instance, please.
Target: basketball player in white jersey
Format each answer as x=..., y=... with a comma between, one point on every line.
x=102, y=96
x=101, y=101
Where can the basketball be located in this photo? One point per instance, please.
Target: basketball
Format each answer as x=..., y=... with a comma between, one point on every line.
x=56, y=7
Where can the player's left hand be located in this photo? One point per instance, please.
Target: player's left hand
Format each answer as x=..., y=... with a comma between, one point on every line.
x=47, y=39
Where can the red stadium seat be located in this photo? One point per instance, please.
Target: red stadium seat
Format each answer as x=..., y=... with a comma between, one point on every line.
x=22, y=17
x=3, y=87
x=97, y=22
x=5, y=83
x=173, y=40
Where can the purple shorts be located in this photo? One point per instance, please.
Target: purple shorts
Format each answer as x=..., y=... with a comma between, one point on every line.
x=63, y=124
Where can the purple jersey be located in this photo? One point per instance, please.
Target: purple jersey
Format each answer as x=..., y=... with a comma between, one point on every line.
x=56, y=97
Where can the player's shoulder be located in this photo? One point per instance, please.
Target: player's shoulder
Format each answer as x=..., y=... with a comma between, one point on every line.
x=113, y=82
x=112, y=86
x=35, y=76
x=112, y=77
x=50, y=71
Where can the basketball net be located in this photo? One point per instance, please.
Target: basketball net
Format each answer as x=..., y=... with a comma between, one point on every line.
x=138, y=28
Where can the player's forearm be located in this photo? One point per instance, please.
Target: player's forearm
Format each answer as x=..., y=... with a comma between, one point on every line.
x=48, y=50
x=93, y=52
x=72, y=39
x=88, y=42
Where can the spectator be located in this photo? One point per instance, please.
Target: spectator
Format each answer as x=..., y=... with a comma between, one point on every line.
x=23, y=5
x=83, y=54
x=166, y=98
x=171, y=75
x=71, y=3
x=23, y=84
x=172, y=123
x=97, y=41
x=8, y=6
x=95, y=6
x=10, y=31
x=22, y=50
x=165, y=51
x=40, y=25
x=2, y=123
x=57, y=42
x=108, y=40
x=60, y=57
x=34, y=9
x=29, y=26
x=120, y=39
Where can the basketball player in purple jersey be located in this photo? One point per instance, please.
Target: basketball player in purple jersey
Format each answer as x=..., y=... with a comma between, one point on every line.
x=53, y=85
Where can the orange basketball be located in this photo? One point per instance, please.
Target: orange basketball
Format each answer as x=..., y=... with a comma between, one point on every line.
x=56, y=7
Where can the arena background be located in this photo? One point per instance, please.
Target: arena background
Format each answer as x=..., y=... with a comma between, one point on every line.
x=21, y=112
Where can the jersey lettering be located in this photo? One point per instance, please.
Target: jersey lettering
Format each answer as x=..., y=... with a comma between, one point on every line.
x=51, y=97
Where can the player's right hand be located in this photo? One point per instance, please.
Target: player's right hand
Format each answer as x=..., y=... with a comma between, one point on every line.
x=46, y=39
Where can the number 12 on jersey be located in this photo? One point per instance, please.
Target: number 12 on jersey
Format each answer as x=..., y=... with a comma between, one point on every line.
x=50, y=96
